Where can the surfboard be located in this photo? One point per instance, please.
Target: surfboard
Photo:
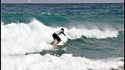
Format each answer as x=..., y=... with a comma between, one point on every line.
x=59, y=47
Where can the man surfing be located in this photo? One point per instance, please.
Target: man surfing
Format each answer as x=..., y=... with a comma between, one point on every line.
x=56, y=37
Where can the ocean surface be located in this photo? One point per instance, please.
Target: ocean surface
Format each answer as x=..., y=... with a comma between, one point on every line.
x=93, y=41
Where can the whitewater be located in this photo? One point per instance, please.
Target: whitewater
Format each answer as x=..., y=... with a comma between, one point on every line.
x=18, y=39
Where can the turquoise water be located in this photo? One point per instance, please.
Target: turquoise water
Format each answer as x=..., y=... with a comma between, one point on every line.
x=79, y=16
x=63, y=13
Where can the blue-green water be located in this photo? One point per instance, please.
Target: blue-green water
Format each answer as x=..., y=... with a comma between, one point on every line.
x=100, y=17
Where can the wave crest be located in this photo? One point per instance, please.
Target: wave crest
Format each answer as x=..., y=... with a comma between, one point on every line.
x=93, y=33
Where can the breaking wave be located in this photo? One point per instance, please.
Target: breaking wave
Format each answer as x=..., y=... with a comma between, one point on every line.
x=35, y=36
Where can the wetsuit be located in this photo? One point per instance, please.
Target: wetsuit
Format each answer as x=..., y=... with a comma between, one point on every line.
x=55, y=35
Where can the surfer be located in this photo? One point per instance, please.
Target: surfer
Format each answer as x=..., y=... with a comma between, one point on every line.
x=56, y=37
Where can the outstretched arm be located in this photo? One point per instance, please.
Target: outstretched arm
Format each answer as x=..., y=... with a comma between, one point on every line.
x=63, y=33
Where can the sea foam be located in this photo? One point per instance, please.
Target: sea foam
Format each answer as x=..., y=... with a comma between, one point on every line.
x=65, y=62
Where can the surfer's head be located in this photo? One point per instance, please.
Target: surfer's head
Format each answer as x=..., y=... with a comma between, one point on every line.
x=62, y=29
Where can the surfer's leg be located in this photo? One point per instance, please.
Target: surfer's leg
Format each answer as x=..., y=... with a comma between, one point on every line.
x=54, y=43
x=58, y=42
x=54, y=37
x=57, y=39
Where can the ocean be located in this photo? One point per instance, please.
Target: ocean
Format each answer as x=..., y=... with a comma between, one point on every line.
x=93, y=41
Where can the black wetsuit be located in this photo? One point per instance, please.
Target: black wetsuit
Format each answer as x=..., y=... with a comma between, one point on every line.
x=55, y=36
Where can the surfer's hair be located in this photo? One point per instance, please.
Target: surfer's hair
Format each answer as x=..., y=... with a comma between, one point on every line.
x=62, y=29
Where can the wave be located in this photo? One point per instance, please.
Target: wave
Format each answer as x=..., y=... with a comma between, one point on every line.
x=65, y=62
x=93, y=33
x=35, y=36
x=22, y=38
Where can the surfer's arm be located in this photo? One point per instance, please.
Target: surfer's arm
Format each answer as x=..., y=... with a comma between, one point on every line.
x=63, y=33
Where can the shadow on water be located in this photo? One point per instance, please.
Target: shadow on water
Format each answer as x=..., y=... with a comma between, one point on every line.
x=51, y=52
x=56, y=52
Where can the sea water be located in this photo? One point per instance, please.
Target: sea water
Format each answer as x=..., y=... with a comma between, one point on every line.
x=94, y=36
